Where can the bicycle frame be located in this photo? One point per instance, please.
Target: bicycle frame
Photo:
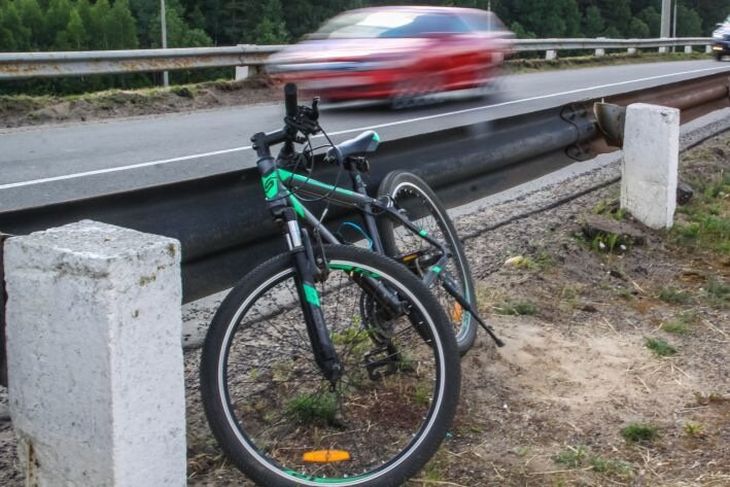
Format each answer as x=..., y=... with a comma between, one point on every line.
x=359, y=199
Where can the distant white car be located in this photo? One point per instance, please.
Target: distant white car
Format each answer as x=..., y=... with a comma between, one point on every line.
x=721, y=39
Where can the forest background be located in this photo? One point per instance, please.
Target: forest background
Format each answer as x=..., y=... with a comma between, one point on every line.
x=66, y=25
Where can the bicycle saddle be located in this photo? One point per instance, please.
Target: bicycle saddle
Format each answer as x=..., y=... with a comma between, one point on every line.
x=364, y=143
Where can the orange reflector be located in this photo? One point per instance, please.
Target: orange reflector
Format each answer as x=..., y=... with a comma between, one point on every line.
x=411, y=257
x=457, y=313
x=326, y=456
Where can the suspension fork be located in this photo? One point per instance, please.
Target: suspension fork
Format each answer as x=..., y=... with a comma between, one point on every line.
x=300, y=247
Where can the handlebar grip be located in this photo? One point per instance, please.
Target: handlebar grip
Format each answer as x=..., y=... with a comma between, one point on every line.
x=290, y=99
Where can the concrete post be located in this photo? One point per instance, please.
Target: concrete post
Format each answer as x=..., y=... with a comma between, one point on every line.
x=650, y=164
x=94, y=356
x=688, y=49
x=600, y=52
x=631, y=50
x=708, y=49
x=663, y=50
x=551, y=55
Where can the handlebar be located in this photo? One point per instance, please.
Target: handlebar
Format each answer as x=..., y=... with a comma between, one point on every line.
x=299, y=119
x=290, y=99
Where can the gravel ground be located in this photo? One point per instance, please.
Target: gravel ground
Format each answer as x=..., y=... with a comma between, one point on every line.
x=548, y=409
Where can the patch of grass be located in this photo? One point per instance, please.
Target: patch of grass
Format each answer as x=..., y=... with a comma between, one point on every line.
x=640, y=433
x=660, y=347
x=606, y=242
x=313, y=408
x=707, y=224
x=695, y=430
x=681, y=325
x=674, y=295
x=717, y=292
x=572, y=457
x=515, y=308
x=579, y=456
x=609, y=466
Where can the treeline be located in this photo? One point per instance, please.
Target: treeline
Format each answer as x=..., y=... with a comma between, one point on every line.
x=53, y=25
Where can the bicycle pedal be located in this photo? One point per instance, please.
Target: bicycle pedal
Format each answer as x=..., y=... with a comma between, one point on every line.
x=389, y=362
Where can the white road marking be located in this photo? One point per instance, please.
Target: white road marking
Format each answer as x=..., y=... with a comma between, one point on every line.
x=348, y=131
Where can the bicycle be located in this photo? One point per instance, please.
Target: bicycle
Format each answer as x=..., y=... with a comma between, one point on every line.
x=327, y=364
x=406, y=221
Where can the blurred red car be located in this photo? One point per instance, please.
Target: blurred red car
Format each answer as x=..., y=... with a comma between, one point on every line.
x=396, y=53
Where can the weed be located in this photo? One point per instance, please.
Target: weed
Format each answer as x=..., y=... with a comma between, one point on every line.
x=718, y=292
x=516, y=308
x=422, y=395
x=660, y=347
x=611, y=467
x=681, y=325
x=674, y=296
x=313, y=408
x=640, y=433
x=572, y=457
x=606, y=242
x=694, y=430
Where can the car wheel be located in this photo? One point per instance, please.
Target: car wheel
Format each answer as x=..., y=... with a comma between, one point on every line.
x=718, y=56
x=414, y=92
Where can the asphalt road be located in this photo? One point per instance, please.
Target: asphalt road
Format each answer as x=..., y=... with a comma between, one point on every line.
x=43, y=165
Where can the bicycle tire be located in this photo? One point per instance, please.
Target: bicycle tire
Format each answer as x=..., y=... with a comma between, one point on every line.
x=237, y=428
x=399, y=185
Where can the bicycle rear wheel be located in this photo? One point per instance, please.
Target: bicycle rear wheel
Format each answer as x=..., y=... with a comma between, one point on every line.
x=277, y=418
x=413, y=195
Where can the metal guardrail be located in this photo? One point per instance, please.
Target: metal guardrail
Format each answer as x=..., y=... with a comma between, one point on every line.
x=82, y=63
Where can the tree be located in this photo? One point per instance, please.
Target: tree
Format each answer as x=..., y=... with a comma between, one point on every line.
x=520, y=31
x=30, y=20
x=179, y=33
x=617, y=14
x=73, y=38
x=689, y=23
x=593, y=23
x=271, y=28
x=638, y=28
x=653, y=19
x=56, y=20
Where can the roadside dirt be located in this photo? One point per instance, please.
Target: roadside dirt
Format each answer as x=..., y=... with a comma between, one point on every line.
x=19, y=110
x=556, y=405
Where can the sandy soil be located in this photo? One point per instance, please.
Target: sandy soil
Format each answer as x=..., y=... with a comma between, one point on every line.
x=549, y=408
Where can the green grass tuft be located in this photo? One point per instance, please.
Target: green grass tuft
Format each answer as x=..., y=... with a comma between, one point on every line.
x=674, y=296
x=660, y=347
x=516, y=308
x=640, y=433
x=313, y=408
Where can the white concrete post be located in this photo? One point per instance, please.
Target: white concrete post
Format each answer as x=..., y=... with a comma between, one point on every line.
x=600, y=52
x=708, y=49
x=663, y=50
x=650, y=164
x=551, y=55
x=688, y=49
x=95, y=362
x=631, y=50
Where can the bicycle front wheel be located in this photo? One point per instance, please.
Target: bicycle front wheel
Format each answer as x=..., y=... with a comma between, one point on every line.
x=282, y=423
x=421, y=205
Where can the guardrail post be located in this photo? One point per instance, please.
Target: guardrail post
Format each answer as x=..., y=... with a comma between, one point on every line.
x=663, y=50
x=94, y=356
x=600, y=52
x=631, y=50
x=708, y=49
x=688, y=49
x=551, y=55
x=650, y=164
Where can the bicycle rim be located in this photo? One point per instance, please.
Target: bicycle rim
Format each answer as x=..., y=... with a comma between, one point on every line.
x=290, y=421
x=424, y=213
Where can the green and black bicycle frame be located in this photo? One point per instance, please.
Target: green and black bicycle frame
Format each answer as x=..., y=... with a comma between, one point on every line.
x=309, y=269
x=372, y=208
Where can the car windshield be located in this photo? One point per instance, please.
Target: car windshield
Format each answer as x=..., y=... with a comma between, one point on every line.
x=389, y=24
